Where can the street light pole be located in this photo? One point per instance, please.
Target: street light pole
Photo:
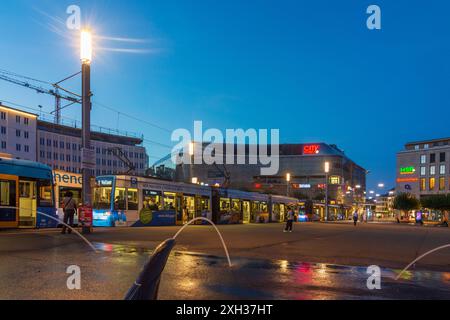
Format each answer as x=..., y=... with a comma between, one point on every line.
x=288, y=180
x=327, y=170
x=86, y=161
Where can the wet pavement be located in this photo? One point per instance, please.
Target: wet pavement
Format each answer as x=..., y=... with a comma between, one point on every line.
x=109, y=272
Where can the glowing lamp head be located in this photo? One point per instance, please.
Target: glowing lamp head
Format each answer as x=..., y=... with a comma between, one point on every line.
x=288, y=177
x=194, y=180
x=86, y=46
x=327, y=167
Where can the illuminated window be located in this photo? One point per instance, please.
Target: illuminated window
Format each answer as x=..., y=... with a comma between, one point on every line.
x=432, y=170
x=423, y=171
x=422, y=184
x=335, y=180
x=132, y=199
x=441, y=183
x=442, y=169
x=423, y=158
x=432, y=183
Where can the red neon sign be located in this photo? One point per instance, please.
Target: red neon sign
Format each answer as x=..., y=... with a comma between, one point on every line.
x=258, y=185
x=311, y=149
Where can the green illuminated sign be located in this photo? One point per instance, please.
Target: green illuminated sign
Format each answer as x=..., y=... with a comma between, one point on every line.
x=407, y=170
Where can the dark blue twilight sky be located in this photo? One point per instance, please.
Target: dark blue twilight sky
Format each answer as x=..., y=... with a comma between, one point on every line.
x=310, y=68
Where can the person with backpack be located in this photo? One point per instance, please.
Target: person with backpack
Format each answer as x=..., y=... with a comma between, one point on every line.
x=290, y=220
x=355, y=217
x=70, y=208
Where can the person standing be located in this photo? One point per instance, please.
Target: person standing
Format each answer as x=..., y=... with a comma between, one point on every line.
x=70, y=208
x=290, y=220
x=355, y=217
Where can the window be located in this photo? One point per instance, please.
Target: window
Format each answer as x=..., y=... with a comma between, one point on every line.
x=18, y=133
x=74, y=146
x=102, y=197
x=3, y=130
x=8, y=199
x=442, y=157
x=49, y=142
x=432, y=183
x=18, y=147
x=25, y=121
x=423, y=171
x=132, y=195
x=3, y=115
x=416, y=147
x=42, y=141
x=45, y=194
x=55, y=156
x=26, y=134
x=49, y=155
x=97, y=150
x=68, y=146
x=131, y=155
x=3, y=144
x=55, y=144
x=27, y=148
x=152, y=200
x=432, y=170
x=442, y=169
x=109, y=163
x=42, y=154
x=441, y=183
x=423, y=158
x=18, y=119
x=61, y=144
x=68, y=157
x=426, y=146
x=119, y=199
x=432, y=158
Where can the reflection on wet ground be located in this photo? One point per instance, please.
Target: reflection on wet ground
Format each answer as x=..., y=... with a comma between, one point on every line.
x=109, y=273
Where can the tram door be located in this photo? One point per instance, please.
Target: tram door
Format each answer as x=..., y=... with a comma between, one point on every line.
x=27, y=204
x=246, y=211
x=9, y=201
x=179, y=208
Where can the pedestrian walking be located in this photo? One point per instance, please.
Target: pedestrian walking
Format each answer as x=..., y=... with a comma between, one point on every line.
x=355, y=217
x=70, y=207
x=290, y=220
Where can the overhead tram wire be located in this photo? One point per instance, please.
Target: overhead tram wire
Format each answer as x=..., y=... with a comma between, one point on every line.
x=131, y=116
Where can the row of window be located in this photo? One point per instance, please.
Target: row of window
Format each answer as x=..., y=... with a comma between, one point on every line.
x=75, y=146
x=432, y=184
x=423, y=157
x=26, y=148
x=26, y=134
x=432, y=170
x=26, y=121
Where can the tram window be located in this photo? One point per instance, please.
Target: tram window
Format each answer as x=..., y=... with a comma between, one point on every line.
x=204, y=204
x=152, y=200
x=102, y=197
x=132, y=195
x=119, y=199
x=169, y=201
x=264, y=207
x=224, y=204
x=255, y=206
x=75, y=191
x=45, y=188
x=236, y=205
x=26, y=190
x=7, y=193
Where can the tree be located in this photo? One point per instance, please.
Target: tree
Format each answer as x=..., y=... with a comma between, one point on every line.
x=406, y=202
x=436, y=202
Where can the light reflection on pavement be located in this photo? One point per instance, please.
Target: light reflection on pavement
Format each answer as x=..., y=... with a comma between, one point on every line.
x=188, y=275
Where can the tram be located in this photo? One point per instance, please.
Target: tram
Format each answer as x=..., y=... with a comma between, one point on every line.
x=122, y=200
x=26, y=195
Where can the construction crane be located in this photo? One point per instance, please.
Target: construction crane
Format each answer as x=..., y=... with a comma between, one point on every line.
x=119, y=154
x=71, y=97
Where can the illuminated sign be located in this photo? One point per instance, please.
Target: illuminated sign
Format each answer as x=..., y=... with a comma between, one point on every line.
x=335, y=180
x=301, y=185
x=67, y=179
x=407, y=170
x=258, y=185
x=399, y=180
x=311, y=149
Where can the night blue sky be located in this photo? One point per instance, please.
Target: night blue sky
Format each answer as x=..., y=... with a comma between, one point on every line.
x=310, y=68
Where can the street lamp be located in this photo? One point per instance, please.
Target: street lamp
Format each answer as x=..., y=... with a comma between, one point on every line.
x=87, y=156
x=288, y=180
x=327, y=171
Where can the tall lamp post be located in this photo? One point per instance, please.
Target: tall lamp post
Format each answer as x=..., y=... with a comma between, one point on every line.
x=327, y=171
x=86, y=152
x=288, y=180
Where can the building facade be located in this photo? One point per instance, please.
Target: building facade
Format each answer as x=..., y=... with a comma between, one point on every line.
x=18, y=133
x=24, y=136
x=305, y=163
x=423, y=168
